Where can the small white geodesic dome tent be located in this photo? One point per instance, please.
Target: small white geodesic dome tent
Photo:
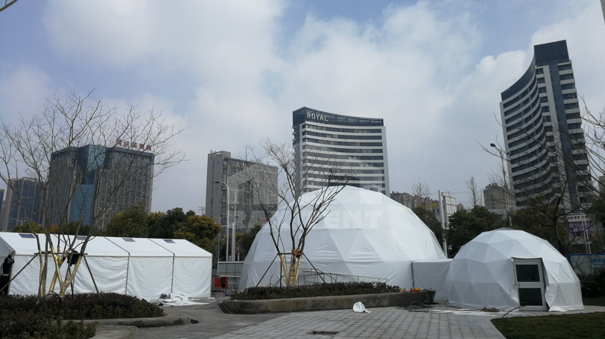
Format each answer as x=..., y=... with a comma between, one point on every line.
x=365, y=236
x=508, y=269
x=141, y=267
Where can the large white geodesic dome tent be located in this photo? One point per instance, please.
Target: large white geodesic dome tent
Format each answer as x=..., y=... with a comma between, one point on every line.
x=508, y=269
x=365, y=236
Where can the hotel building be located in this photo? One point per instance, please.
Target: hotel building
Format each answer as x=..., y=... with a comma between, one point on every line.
x=332, y=149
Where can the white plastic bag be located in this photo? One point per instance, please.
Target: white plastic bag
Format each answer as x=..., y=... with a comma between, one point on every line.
x=358, y=307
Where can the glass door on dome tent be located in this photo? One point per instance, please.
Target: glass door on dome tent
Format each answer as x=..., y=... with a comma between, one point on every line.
x=529, y=278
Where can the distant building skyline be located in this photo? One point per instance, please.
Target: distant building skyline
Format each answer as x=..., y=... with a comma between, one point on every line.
x=23, y=203
x=493, y=197
x=339, y=149
x=91, y=184
x=542, y=129
x=250, y=184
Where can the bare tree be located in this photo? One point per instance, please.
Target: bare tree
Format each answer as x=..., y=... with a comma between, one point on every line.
x=421, y=192
x=87, y=159
x=299, y=212
x=474, y=192
x=7, y=4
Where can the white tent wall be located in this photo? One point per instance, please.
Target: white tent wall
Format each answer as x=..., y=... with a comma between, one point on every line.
x=431, y=275
x=192, y=268
x=109, y=274
x=139, y=267
x=365, y=236
x=149, y=277
x=24, y=249
x=483, y=274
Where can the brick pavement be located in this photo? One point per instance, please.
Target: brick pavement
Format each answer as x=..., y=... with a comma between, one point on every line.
x=387, y=322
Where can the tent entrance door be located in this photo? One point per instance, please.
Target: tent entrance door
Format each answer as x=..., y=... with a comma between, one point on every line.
x=530, y=284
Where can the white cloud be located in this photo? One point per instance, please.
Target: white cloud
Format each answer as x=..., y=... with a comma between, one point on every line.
x=24, y=91
x=421, y=67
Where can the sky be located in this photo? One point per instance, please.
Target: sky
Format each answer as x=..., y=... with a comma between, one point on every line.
x=231, y=72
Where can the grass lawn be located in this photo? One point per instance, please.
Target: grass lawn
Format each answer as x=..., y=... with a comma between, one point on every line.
x=590, y=325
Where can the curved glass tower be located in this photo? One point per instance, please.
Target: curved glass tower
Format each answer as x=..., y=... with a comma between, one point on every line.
x=542, y=130
x=332, y=149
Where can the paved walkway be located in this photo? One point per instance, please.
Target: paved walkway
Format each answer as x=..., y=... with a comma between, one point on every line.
x=440, y=321
x=386, y=322
x=383, y=322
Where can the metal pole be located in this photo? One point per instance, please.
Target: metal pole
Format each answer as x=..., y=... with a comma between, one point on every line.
x=227, y=237
x=504, y=189
x=233, y=230
x=442, y=214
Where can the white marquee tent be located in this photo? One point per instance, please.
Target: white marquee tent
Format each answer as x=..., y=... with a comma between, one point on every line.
x=508, y=269
x=365, y=236
x=141, y=267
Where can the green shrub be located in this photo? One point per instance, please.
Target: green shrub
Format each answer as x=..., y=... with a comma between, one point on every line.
x=593, y=285
x=315, y=290
x=31, y=317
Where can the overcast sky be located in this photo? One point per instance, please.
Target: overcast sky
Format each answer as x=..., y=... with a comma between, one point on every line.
x=232, y=72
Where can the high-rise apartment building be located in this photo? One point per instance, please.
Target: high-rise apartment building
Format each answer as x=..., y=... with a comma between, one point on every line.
x=94, y=183
x=250, y=185
x=23, y=204
x=331, y=149
x=542, y=130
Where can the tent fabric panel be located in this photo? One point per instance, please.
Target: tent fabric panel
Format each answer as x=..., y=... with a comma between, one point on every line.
x=101, y=247
x=182, y=248
x=141, y=247
x=431, y=275
x=149, y=277
x=109, y=274
x=192, y=277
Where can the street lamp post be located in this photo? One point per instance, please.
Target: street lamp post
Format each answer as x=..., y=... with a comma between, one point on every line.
x=227, y=238
x=504, y=183
x=234, y=224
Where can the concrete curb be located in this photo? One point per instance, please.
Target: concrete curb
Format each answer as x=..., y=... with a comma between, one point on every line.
x=170, y=318
x=326, y=303
x=115, y=332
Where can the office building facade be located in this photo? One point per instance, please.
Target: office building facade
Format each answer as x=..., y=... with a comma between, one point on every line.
x=23, y=204
x=91, y=184
x=493, y=196
x=332, y=149
x=542, y=129
x=252, y=186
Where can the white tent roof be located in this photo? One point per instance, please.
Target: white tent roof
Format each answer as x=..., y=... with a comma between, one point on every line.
x=482, y=273
x=365, y=236
x=142, y=267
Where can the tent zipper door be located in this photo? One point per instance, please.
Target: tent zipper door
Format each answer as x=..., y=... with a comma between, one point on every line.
x=529, y=277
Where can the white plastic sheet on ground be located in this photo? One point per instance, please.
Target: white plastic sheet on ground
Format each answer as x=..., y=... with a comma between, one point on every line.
x=365, y=236
x=482, y=273
x=360, y=308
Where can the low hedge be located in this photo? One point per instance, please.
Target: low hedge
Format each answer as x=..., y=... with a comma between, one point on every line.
x=315, y=290
x=593, y=285
x=32, y=317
